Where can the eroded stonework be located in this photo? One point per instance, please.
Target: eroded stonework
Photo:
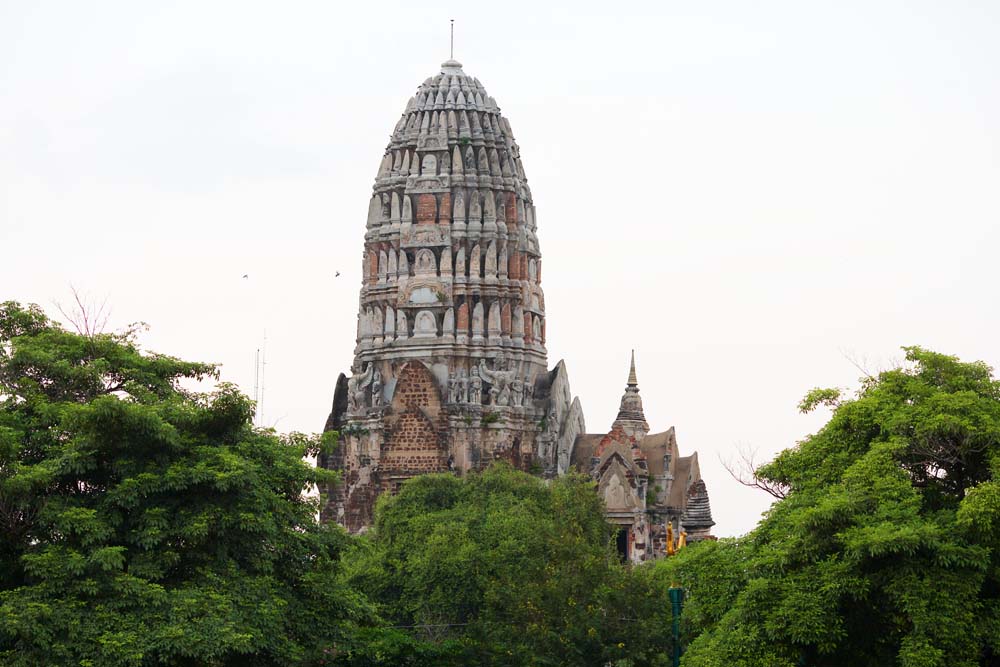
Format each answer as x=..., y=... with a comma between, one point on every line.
x=645, y=483
x=450, y=370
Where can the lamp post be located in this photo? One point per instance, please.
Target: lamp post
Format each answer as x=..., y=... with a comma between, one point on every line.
x=676, y=604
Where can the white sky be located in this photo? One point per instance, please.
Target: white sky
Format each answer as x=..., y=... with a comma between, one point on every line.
x=747, y=193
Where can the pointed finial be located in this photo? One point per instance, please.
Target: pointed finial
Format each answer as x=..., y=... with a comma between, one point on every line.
x=452, y=66
x=632, y=381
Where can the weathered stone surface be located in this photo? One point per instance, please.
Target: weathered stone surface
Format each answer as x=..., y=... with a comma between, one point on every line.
x=450, y=369
x=645, y=483
x=442, y=377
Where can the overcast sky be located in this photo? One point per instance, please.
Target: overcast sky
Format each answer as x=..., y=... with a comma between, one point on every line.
x=752, y=195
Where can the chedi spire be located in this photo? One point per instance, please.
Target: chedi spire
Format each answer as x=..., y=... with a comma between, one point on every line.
x=630, y=415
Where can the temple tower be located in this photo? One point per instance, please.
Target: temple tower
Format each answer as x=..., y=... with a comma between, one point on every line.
x=450, y=369
x=645, y=483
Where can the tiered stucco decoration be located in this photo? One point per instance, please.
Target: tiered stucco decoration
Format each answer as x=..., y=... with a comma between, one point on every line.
x=450, y=370
x=645, y=483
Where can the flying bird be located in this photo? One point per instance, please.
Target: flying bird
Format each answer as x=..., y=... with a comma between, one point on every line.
x=336, y=274
x=245, y=275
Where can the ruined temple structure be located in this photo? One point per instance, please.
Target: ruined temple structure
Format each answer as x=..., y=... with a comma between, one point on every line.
x=450, y=371
x=645, y=483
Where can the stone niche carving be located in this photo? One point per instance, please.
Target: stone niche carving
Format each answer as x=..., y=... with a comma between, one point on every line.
x=428, y=166
x=615, y=488
x=425, y=325
x=424, y=264
x=426, y=290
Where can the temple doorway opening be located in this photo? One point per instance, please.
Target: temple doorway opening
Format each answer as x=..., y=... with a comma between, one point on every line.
x=621, y=542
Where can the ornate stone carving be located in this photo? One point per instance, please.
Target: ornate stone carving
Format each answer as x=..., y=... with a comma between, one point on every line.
x=425, y=325
x=376, y=389
x=424, y=264
x=356, y=386
x=475, y=388
x=499, y=380
x=516, y=392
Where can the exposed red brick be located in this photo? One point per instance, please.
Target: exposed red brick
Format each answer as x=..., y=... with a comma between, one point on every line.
x=426, y=208
x=444, y=213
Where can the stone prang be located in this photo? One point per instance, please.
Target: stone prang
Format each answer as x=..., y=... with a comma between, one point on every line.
x=450, y=370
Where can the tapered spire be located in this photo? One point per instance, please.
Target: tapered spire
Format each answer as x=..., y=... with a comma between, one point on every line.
x=630, y=415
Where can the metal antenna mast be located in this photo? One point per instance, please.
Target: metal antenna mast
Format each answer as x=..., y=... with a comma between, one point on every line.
x=452, y=56
x=263, y=368
x=256, y=387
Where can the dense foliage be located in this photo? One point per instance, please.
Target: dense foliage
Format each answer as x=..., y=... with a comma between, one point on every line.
x=142, y=524
x=500, y=568
x=884, y=550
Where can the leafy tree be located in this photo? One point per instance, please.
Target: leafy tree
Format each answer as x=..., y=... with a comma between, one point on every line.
x=884, y=550
x=144, y=524
x=502, y=568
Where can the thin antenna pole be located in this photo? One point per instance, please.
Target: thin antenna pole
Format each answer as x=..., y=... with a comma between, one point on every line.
x=452, y=56
x=263, y=369
x=256, y=387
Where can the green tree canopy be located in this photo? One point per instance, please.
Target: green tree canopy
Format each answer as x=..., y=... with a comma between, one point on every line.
x=884, y=550
x=145, y=524
x=502, y=568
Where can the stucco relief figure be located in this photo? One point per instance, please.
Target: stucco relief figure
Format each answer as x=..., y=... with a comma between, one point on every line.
x=376, y=389
x=475, y=388
x=499, y=381
x=614, y=493
x=463, y=386
x=516, y=392
x=425, y=264
x=356, y=386
x=453, y=383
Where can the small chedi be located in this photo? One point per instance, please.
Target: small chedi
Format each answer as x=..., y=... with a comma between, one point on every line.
x=649, y=490
x=450, y=370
